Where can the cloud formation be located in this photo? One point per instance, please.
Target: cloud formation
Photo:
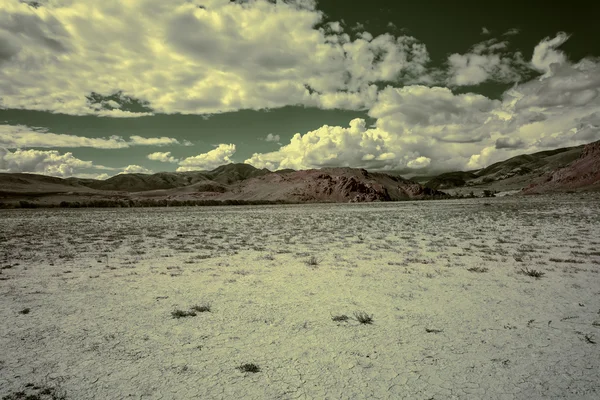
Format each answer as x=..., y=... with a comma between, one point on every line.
x=434, y=128
x=20, y=136
x=42, y=162
x=485, y=61
x=546, y=56
x=177, y=57
x=272, y=138
x=208, y=161
x=165, y=157
x=136, y=169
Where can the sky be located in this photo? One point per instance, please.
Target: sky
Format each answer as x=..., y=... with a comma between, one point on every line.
x=97, y=88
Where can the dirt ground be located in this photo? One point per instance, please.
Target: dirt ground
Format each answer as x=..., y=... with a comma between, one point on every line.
x=182, y=303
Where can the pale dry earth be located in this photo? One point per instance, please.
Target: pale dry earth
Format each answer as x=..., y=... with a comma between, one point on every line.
x=101, y=284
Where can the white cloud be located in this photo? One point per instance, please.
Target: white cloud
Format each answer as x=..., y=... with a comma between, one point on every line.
x=272, y=138
x=41, y=162
x=419, y=162
x=485, y=31
x=512, y=32
x=354, y=146
x=21, y=136
x=435, y=129
x=159, y=141
x=176, y=57
x=165, y=157
x=136, y=169
x=484, y=62
x=210, y=160
x=546, y=56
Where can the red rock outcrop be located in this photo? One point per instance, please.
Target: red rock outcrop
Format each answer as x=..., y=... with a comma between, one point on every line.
x=582, y=174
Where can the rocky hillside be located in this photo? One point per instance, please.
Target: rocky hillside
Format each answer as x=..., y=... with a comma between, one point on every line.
x=331, y=185
x=583, y=174
x=512, y=174
x=232, y=183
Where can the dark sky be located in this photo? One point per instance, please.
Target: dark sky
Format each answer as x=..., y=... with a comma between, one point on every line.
x=454, y=85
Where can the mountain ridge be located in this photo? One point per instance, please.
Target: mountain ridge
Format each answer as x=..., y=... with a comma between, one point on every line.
x=565, y=169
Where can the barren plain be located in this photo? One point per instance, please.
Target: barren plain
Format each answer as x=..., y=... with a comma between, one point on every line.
x=458, y=299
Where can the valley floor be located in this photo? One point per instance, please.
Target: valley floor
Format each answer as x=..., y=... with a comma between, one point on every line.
x=87, y=300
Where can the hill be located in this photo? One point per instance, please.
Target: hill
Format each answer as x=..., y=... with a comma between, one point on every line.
x=512, y=174
x=232, y=183
x=583, y=174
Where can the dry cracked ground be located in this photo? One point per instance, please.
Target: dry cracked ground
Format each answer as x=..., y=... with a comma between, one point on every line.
x=471, y=299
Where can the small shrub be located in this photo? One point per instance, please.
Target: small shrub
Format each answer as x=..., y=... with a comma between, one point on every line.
x=182, y=314
x=363, y=317
x=313, y=261
x=25, y=311
x=478, y=269
x=340, y=318
x=202, y=308
x=532, y=272
x=590, y=339
x=249, y=367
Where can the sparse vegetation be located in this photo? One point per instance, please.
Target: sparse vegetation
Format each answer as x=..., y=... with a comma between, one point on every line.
x=249, y=367
x=182, y=314
x=589, y=339
x=534, y=273
x=478, y=269
x=35, y=392
x=340, y=318
x=313, y=261
x=363, y=317
x=206, y=307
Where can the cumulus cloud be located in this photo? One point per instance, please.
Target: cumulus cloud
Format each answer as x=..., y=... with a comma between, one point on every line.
x=177, y=57
x=546, y=56
x=207, y=161
x=485, y=61
x=419, y=162
x=272, y=138
x=334, y=146
x=485, y=31
x=436, y=129
x=41, y=162
x=136, y=169
x=21, y=136
x=165, y=157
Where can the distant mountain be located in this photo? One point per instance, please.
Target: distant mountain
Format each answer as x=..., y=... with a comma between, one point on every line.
x=330, y=185
x=509, y=175
x=583, y=174
x=232, y=182
x=225, y=174
x=567, y=169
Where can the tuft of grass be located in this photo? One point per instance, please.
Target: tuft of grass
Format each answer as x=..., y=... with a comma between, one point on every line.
x=339, y=318
x=25, y=311
x=429, y=330
x=534, y=273
x=363, y=317
x=313, y=261
x=478, y=269
x=33, y=392
x=249, y=367
x=590, y=339
x=206, y=307
x=182, y=314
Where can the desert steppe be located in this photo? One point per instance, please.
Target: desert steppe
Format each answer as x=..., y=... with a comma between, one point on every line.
x=495, y=298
